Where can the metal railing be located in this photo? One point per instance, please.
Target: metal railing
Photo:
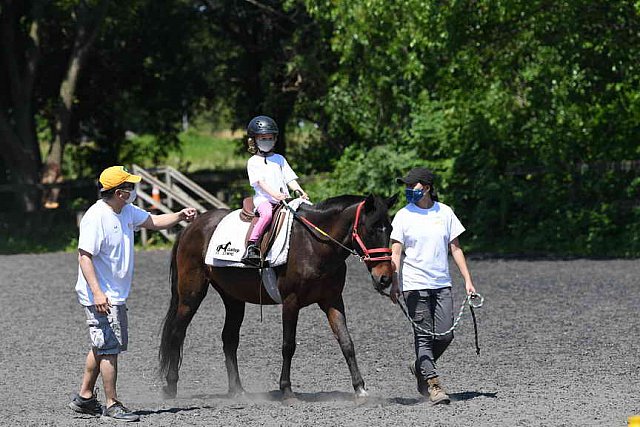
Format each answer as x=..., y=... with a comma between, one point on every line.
x=167, y=190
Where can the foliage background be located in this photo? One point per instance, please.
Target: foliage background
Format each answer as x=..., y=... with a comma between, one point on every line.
x=528, y=112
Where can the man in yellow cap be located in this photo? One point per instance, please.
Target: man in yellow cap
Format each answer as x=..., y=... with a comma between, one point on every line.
x=105, y=254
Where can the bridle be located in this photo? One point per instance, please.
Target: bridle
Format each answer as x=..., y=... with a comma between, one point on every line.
x=368, y=255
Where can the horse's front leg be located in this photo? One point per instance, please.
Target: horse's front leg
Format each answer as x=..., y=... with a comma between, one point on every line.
x=290, y=311
x=334, y=309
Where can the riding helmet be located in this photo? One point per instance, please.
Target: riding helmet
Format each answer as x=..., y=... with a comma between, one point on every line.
x=261, y=125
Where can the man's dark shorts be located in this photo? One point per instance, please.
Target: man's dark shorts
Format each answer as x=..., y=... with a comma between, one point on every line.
x=109, y=333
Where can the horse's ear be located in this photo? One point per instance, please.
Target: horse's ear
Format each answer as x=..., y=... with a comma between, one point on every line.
x=369, y=203
x=391, y=201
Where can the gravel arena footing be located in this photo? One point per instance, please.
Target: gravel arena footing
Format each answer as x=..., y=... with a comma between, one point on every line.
x=560, y=347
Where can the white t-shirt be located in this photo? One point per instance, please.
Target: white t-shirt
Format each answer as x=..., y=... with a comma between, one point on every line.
x=274, y=171
x=425, y=235
x=108, y=237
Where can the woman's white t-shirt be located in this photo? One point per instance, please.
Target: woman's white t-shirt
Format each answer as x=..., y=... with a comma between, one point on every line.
x=108, y=237
x=272, y=170
x=425, y=235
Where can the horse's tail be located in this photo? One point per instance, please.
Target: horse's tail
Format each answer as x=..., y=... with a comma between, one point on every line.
x=168, y=354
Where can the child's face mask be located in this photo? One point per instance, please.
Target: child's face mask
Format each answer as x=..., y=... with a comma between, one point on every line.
x=265, y=143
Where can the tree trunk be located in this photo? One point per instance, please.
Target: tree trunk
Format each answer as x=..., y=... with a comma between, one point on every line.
x=23, y=165
x=17, y=125
x=89, y=23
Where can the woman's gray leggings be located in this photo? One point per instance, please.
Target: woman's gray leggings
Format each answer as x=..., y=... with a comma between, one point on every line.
x=432, y=309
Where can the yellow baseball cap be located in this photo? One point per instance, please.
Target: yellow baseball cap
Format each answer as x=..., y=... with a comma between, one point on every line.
x=116, y=175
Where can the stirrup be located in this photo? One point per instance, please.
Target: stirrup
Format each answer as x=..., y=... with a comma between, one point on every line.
x=252, y=256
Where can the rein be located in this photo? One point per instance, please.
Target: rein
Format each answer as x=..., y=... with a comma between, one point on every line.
x=472, y=300
x=370, y=255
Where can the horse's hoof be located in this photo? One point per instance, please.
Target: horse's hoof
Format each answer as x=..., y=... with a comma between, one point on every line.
x=236, y=394
x=170, y=391
x=288, y=398
x=361, y=396
x=289, y=401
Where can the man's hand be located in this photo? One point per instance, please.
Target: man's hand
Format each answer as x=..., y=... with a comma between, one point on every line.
x=188, y=214
x=102, y=303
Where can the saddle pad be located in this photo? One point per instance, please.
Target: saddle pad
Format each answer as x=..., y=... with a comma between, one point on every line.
x=227, y=244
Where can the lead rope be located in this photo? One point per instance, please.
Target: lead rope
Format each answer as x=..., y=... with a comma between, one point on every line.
x=475, y=328
x=469, y=300
x=260, y=292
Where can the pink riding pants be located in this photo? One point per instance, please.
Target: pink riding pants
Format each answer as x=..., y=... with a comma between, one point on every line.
x=266, y=212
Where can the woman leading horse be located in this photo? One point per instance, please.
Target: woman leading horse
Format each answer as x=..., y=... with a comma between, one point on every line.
x=314, y=274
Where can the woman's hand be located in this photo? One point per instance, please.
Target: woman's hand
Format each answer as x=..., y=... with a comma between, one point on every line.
x=280, y=196
x=469, y=287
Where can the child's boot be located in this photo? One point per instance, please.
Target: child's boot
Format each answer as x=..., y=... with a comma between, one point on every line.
x=251, y=255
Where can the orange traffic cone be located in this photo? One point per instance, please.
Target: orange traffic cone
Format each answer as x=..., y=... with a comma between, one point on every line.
x=155, y=195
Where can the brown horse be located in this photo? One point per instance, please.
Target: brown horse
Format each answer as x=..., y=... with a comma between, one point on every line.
x=314, y=274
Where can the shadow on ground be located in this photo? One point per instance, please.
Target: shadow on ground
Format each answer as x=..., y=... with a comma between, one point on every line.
x=172, y=410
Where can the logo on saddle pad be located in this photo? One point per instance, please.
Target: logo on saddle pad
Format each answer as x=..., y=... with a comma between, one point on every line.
x=226, y=250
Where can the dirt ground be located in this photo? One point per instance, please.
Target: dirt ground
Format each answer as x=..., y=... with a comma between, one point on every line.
x=560, y=347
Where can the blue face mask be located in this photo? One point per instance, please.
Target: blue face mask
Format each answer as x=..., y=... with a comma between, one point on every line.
x=413, y=196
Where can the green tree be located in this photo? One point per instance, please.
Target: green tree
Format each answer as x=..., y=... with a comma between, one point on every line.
x=528, y=110
x=20, y=50
x=87, y=19
x=155, y=63
x=92, y=70
x=277, y=59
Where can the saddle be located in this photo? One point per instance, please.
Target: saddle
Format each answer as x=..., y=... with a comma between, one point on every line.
x=249, y=214
x=227, y=243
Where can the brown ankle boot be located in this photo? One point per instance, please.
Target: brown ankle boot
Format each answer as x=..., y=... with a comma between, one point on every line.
x=436, y=392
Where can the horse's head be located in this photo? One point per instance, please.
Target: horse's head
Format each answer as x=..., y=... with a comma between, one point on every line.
x=371, y=238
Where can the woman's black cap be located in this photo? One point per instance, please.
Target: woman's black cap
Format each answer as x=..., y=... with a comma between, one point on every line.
x=417, y=175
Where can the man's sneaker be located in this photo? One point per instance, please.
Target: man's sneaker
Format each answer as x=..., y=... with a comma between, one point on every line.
x=89, y=406
x=118, y=411
x=436, y=392
x=421, y=384
x=251, y=255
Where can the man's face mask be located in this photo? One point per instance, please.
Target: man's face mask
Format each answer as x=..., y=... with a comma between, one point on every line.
x=265, y=144
x=413, y=196
x=132, y=196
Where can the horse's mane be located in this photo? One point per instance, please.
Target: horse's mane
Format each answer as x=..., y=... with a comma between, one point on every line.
x=334, y=204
